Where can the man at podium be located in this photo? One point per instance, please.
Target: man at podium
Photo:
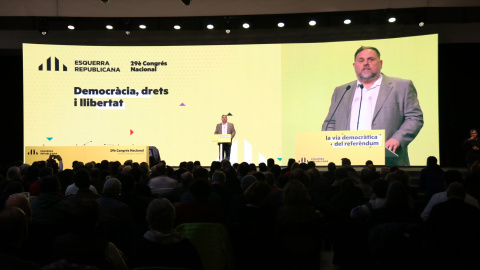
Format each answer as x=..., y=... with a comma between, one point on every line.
x=225, y=128
x=377, y=101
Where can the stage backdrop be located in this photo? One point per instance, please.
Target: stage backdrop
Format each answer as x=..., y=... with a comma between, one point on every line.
x=172, y=97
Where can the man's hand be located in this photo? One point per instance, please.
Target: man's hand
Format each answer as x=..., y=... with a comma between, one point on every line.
x=392, y=144
x=59, y=158
x=475, y=148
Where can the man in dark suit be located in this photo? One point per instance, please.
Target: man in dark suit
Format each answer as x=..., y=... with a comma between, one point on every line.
x=225, y=128
x=377, y=101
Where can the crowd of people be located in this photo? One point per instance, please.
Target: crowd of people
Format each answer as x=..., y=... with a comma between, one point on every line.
x=110, y=215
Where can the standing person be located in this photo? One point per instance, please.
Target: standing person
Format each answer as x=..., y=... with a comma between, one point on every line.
x=225, y=128
x=377, y=101
x=472, y=148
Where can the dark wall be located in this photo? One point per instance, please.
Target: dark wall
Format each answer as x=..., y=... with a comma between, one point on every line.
x=459, y=97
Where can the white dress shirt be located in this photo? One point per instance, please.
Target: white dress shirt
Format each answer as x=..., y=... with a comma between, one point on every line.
x=367, y=108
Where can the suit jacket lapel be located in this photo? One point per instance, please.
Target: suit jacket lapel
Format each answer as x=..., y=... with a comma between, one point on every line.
x=385, y=89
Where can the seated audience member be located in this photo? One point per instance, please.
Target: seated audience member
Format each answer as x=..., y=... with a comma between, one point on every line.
x=431, y=178
x=399, y=207
x=13, y=234
x=367, y=177
x=19, y=200
x=83, y=246
x=50, y=207
x=11, y=187
x=73, y=189
x=160, y=183
x=81, y=179
x=161, y=246
x=450, y=177
x=251, y=229
x=298, y=228
x=380, y=193
x=200, y=209
x=137, y=204
x=453, y=235
x=329, y=175
x=116, y=221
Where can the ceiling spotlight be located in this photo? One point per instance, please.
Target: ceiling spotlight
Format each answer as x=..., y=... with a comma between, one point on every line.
x=228, y=26
x=281, y=24
x=177, y=27
x=71, y=27
x=109, y=27
x=246, y=25
x=312, y=23
x=44, y=32
x=186, y=2
x=347, y=21
x=142, y=26
x=421, y=24
x=210, y=26
x=392, y=19
x=127, y=33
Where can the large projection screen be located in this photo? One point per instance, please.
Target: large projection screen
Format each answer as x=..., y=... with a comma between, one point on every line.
x=172, y=97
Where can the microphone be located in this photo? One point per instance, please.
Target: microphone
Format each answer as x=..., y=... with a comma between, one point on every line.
x=331, y=117
x=86, y=143
x=360, y=107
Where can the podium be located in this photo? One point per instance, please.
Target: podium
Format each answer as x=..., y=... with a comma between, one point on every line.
x=220, y=139
x=331, y=146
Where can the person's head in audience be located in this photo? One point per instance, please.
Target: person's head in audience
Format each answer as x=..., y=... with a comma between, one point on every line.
x=367, y=176
x=160, y=170
x=311, y=164
x=295, y=193
x=225, y=164
x=200, y=189
x=196, y=163
x=393, y=177
x=85, y=213
x=81, y=178
x=270, y=179
x=456, y=190
x=128, y=162
x=290, y=163
x=170, y=171
x=126, y=169
x=200, y=173
x=404, y=177
x=14, y=174
x=397, y=195
x=49, y=184
x=112, y=187
x=303, y=166
x=270, y=163
x=380, y=188
x=161, y=215
x=13, y=229
x=475, y=168
x=432, y=161
x=295, y=165
x=259, y=176
x=302, y=176
x=258, y=194
x=276, y=170
x=252, y=167
x=341, y=173
x=21, y=201
x=12, y=187
x=384, y=173
x=104, y=165
x=128, y=183
x=219, y=178
x=368, y=162
x=246, y=181
x=187, y=178
x=262, y=167
x=190, y=166
x=243, y=169
x=332, y=167
x=346, y=162
x=372, y=168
